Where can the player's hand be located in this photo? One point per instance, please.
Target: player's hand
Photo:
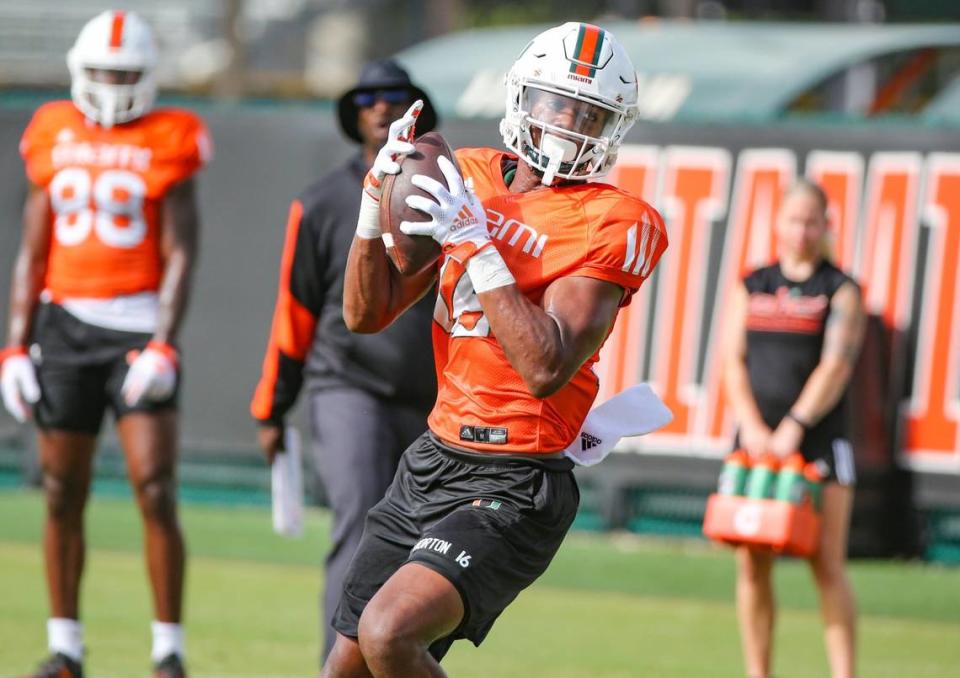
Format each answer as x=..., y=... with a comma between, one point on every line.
x=399, y=145
x=786, y=439
x=152, y=376
x=270, y=439
x=456, y=213
x=18, y=384
x=754, y=438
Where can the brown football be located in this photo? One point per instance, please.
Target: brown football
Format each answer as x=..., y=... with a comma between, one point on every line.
x=412, y=254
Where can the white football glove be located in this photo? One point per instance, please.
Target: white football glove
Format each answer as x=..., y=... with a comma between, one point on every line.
x=457, y=215
x=399, y=145
x=19, y=386
x=152, y=376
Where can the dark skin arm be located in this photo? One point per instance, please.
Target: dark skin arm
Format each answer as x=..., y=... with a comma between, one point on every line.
x=179, y=245
x=547, y=344
x=30, y=265
x=374, y=292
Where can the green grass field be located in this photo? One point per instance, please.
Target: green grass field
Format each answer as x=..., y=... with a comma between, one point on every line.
x=609, y=605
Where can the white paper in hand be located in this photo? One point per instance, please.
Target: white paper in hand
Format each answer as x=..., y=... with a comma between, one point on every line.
x=286, y=484
x=633, y=412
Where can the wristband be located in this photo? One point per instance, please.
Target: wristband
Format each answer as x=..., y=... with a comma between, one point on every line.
x=368, y=221
x=165, y=350
x=488, y=271
x=806, y=426
x=11, y=351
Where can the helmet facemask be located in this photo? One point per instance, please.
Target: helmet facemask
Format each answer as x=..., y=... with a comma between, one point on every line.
x=566, y=137
x=109, y=103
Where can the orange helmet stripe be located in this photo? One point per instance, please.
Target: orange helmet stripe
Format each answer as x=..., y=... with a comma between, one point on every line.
x=116, y=30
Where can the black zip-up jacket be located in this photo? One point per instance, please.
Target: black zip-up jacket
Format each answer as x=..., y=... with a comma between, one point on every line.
x=309, y=339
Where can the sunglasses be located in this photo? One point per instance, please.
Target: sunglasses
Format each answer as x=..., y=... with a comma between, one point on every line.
x=390, y=96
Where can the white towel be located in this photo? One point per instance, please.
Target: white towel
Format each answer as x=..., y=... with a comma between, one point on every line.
x=633, y=412
x=286, y=484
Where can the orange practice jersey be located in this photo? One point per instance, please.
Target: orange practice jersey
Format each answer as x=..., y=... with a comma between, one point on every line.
x=592, y=230
x=106, y=187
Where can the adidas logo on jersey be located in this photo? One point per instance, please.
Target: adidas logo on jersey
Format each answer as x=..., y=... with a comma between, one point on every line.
x=588, y=441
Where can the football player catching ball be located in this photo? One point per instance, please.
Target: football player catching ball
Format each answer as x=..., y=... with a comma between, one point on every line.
x=537, y=260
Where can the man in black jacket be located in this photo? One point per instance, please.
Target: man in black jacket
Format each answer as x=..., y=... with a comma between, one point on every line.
x=369, y=394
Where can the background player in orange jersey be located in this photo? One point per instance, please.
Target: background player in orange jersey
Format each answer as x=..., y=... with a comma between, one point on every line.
x=793, y=336
x=536, y=263
x=99, y=291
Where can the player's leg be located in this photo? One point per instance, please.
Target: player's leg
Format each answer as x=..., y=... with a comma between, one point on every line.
x=353, y=448
x=345, y=659
x=68, y=417
x=390, y=530
x=149, y=441
x=756, y=609
x=416, y=607
x=837, y=601
x=476, y=553
x=66, y=462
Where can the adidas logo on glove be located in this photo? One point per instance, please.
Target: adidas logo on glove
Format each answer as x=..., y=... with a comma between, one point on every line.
x=464, y=218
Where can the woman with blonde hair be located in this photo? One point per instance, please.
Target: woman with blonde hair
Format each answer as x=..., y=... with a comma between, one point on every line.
x=793, y=335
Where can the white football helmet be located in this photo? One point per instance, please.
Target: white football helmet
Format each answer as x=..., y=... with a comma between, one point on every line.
x=580, y=68
x=113, y=41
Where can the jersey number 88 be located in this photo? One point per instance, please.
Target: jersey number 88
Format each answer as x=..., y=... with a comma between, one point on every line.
x=116, y=214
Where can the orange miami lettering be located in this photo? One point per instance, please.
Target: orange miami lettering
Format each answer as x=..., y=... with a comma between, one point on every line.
x=720, y=207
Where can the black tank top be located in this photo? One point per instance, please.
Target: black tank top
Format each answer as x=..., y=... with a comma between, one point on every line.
x=785, y=328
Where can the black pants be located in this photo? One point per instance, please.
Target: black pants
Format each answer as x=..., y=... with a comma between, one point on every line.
x=357, y=442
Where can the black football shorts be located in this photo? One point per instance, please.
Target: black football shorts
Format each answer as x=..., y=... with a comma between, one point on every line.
x=81, y=369
x=489, y=524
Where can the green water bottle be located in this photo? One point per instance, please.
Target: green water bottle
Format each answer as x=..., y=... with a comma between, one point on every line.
x=763, y=477
x=733, y=476
x=791, y=483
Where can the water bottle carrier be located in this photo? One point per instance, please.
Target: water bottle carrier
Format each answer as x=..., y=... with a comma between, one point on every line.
x=782, y=526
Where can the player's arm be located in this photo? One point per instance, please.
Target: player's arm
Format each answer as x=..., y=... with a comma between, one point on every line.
x=547, y=344
x=19, y=387
x=179, y=243
x=30, y=266
x=374, y=292
x=842, y=340
x=736, y=379
x=153, y=375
